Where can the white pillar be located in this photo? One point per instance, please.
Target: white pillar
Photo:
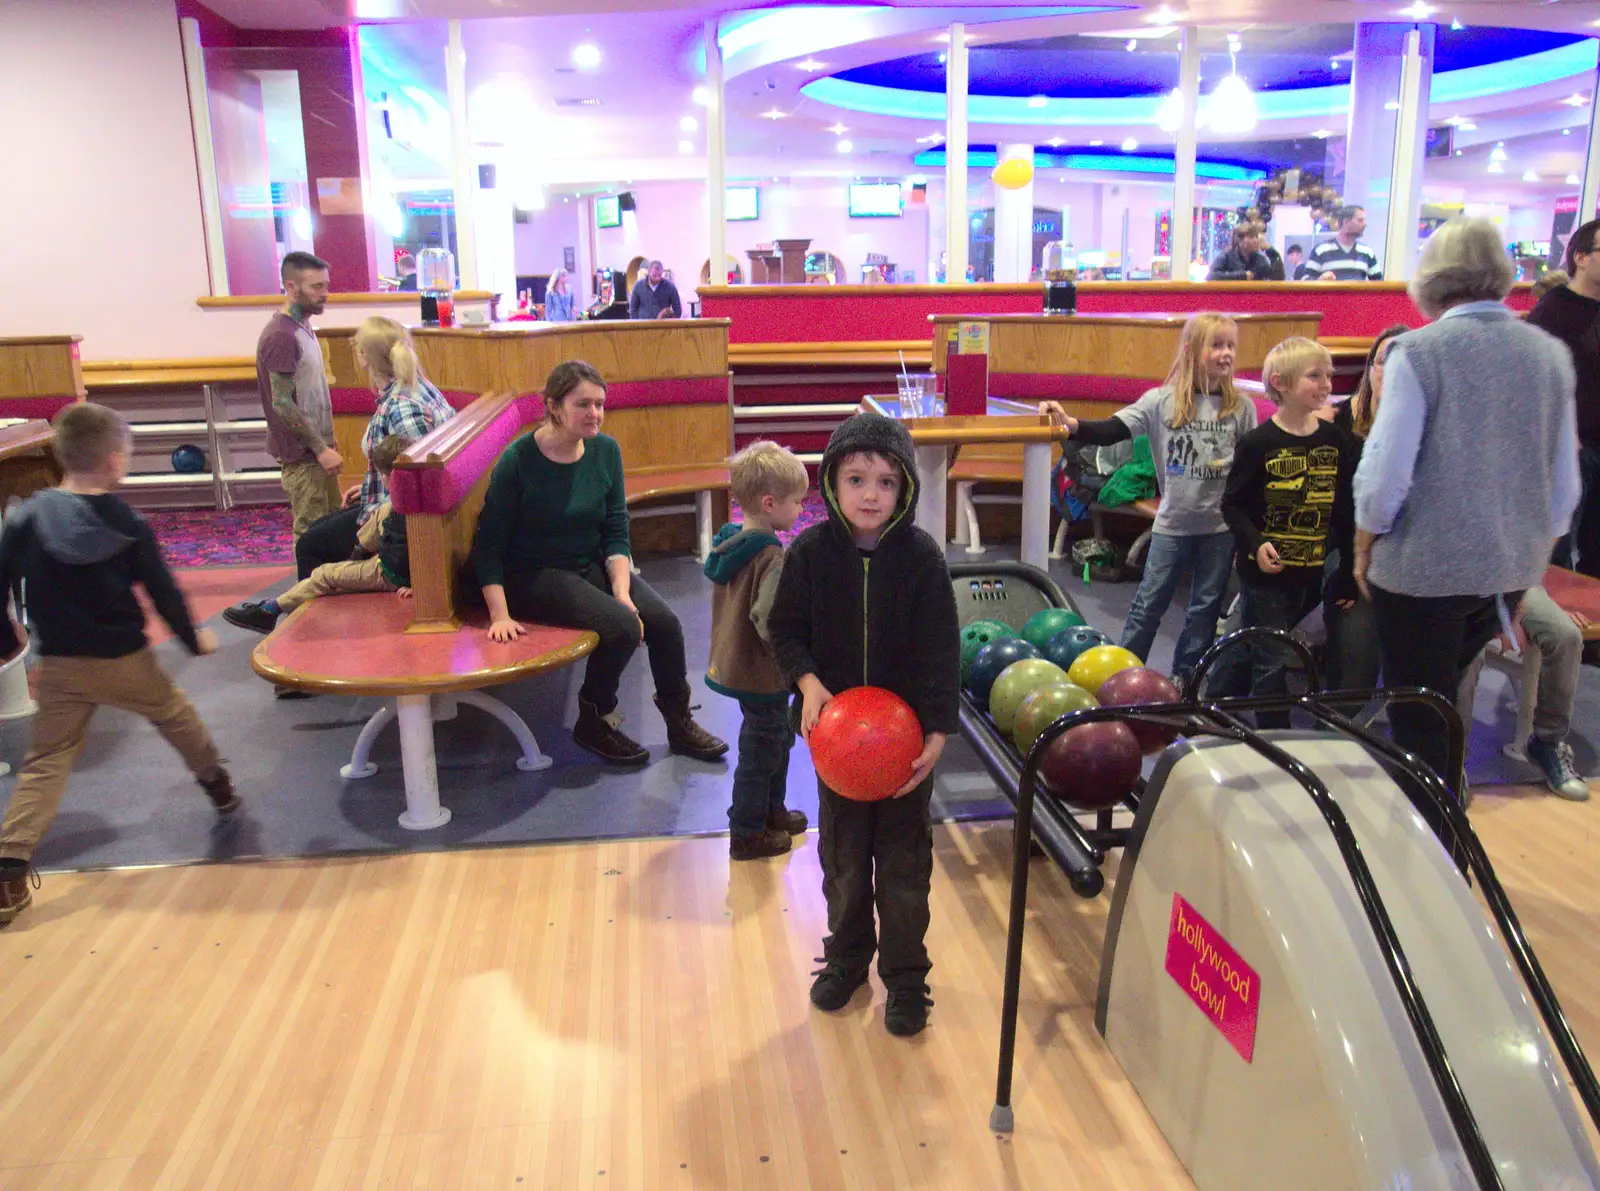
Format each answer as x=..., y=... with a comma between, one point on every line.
x=955, y=156
x=1589, y=195
x=1410, y=142
x=1371, y=138
x=205, y=153
x=462, y=175
x=716, y=158
x=1013, y=222
x=1184, y=152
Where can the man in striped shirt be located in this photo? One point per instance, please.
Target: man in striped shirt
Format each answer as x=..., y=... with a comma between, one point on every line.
x=1345, y=258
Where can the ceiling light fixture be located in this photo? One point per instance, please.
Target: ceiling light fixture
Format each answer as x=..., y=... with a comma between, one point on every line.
x=1418, y=11
x=845, y=147
x=1130, y=145
x=1335, y=63
x=1392, y=106
x=1574, y=180
x=1231, y=106
x=1575, y=101
x=1566, y=132
x=1056, y=142
x=1095, y=144
x=1456, y=25
x=1133, y=44
x=930, y=138
x=688, y=124
x=1496, y=168
x=586, y=56
x=1323, y=134
x=838, y=129
x=1037, y=101
x=1498, y=153
x=774, y=114
x=809, y=64
x=685, y=146
x=701, y=96
x=1530, y=175
x=1161, y=16
x=943, y=57
x=1467, y=126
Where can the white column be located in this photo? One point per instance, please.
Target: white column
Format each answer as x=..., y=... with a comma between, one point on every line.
x=462, y=175
x=205, y=153
x=716, y=158
x=1013, y=222
x=1589, y=195
x=1410, y=142
x=1184, y=151
x=955, y=157
x=1371, y=141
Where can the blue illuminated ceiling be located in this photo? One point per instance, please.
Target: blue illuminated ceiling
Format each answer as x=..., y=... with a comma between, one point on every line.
x=1096, y=67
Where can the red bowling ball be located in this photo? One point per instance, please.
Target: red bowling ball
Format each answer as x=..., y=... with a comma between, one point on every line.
x=1091, y=767
x=865, y=743
x=1139, y=684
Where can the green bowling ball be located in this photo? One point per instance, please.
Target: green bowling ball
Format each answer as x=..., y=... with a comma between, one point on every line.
x=1016, y=682
x=1044, y=707
x=1047, y=623
x=975, y=636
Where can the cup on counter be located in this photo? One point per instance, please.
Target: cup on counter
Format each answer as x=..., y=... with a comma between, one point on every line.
x=447, y=312
x=917, y=394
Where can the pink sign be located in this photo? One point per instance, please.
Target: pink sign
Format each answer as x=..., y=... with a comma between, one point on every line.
x=1226, y=988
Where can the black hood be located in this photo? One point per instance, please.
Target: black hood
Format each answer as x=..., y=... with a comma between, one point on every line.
x=873, y=434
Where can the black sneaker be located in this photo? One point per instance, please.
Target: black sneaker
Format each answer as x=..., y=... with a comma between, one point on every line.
x=907, y=1011
x=289, y=692
x=252, y=616
x=222, y=794
x=755, y=847
x=833, y=987
x=794, y=822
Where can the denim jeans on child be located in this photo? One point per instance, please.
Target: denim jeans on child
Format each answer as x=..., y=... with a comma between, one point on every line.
x=1262, y=667
x=1208, y=560
x=760, y=780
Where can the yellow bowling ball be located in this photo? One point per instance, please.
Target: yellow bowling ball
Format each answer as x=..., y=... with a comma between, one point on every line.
x=1016, y=682
x=1094, y=666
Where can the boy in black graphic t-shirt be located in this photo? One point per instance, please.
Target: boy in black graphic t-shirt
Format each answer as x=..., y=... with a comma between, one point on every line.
x=1288, y=502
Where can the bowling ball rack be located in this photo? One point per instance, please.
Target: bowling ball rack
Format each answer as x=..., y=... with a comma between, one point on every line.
x=1438, y=804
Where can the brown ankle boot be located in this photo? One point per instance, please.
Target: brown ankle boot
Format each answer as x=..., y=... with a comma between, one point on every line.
x=15, y=896
x=684, y=735
x=220, y=790
x=600, y=735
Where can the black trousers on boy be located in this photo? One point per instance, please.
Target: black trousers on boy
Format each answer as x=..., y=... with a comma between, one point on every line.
x=877, y=854
x=328, y=539
x=1429, y=641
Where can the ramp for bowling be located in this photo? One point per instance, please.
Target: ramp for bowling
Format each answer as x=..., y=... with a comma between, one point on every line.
x=1311, y=974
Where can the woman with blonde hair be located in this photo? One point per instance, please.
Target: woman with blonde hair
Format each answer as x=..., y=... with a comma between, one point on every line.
x=560, y=303
x=408, y=406
x=1194, y=422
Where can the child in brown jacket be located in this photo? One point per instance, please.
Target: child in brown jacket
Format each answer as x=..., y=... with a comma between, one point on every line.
x=746, y=560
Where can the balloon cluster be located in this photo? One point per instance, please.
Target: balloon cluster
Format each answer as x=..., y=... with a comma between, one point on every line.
x=1300, y=187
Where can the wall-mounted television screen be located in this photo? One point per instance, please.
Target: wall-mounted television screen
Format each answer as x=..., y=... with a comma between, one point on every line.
x=874, y=200
x=741, y=202
x=608, y=211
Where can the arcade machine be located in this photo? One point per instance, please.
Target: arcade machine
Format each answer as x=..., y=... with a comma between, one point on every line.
x=1297, y=976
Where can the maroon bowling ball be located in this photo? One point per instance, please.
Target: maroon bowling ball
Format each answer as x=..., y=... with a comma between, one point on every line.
x=1139, y=684
x=1091, y=767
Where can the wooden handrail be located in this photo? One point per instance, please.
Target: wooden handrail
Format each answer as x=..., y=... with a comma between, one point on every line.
x=838, y=345
x=583, y=327
x=378, y=298
x=971, y=436
x=153, y=365
x=444, y=442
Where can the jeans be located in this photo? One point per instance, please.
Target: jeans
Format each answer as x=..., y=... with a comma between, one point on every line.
x=328, y=539
x=1430, y=641
x=583, y=600
x=761, y=778
x=1560, y=645
x=1262, y=667
x=1584, y=540
x=877, y=853
x=1207, y=559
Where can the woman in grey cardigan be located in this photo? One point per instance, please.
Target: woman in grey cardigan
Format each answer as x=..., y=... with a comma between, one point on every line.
x=1468, y=477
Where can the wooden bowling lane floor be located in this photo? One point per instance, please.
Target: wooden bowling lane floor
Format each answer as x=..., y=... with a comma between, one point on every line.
x=618, y=1015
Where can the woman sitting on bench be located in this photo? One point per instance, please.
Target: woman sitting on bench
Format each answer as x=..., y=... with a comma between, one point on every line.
x=552, y=546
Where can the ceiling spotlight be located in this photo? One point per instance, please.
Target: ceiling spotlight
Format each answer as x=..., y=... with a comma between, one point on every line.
x=1231, y=107
x=838, y=129
x=1575, y=101
x=929, y=139
x=1335, y=63
x=1417, y=11
x=1323, y=134
x=1455, y=24
x=685, y=146
x=1498, y=153
x=943, y=57
x=1392, y=106
x=1574, y=180
x=1037, y=101
x=809, y=64
x=1530, y=175
x=1458, y=152
x=774, y=114
x=688, y=124
x=1161, y=16
x=1566, y=132
x=1055, y=142
x=701, y=96
x=1496, y=168
x=1130, y=145
x=586, y=56
x=1095, y=144
x=845, y=147
x=1133, y=44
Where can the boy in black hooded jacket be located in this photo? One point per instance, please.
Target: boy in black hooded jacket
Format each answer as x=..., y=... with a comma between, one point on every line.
x=865, y=600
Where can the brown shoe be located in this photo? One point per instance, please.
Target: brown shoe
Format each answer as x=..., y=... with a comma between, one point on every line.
x=755, y=847
x=220, y=790
x=793, y=822
x=684, y=735
x=601, y=736
x=15, y=896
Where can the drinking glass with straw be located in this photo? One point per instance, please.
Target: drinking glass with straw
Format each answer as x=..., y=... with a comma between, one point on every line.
x=910, y=391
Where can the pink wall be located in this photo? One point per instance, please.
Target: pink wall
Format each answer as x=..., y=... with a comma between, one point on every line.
x=540, y=241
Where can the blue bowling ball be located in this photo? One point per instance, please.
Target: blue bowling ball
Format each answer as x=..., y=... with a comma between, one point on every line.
x=991, y=660
x=188, y=459
x=1064, y=647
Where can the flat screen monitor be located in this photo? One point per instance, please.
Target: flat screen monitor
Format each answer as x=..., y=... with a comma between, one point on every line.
x=875, y=200
x=608, y=211
x=741, y=203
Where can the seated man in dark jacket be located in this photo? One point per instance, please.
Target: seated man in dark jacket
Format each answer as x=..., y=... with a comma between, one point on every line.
x=1244, y=261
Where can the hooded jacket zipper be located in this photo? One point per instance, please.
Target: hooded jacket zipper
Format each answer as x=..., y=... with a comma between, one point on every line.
x=866, y=577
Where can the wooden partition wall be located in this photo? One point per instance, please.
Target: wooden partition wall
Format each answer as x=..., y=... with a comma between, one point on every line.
x=39, y=374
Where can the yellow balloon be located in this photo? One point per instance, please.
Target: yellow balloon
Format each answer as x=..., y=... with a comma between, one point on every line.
x=1013, y=173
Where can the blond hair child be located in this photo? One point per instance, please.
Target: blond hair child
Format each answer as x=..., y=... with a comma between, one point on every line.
x=408, y=404
x=1194, y=422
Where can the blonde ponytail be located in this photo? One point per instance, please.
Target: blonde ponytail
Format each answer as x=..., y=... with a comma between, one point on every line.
x=386, y=349
x=403, y=365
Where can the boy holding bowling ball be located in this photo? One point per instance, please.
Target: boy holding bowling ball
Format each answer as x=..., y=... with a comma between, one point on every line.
x=865, y=600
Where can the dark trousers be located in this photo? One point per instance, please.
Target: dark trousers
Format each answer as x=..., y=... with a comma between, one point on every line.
x=1262, y=667
x=583, y=600
x=761, y=778
x=1429, y=641
x=328, y=539
x=1584, y=540
x=877, y=853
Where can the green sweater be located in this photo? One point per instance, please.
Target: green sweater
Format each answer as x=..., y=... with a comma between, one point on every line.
x=539, y=514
